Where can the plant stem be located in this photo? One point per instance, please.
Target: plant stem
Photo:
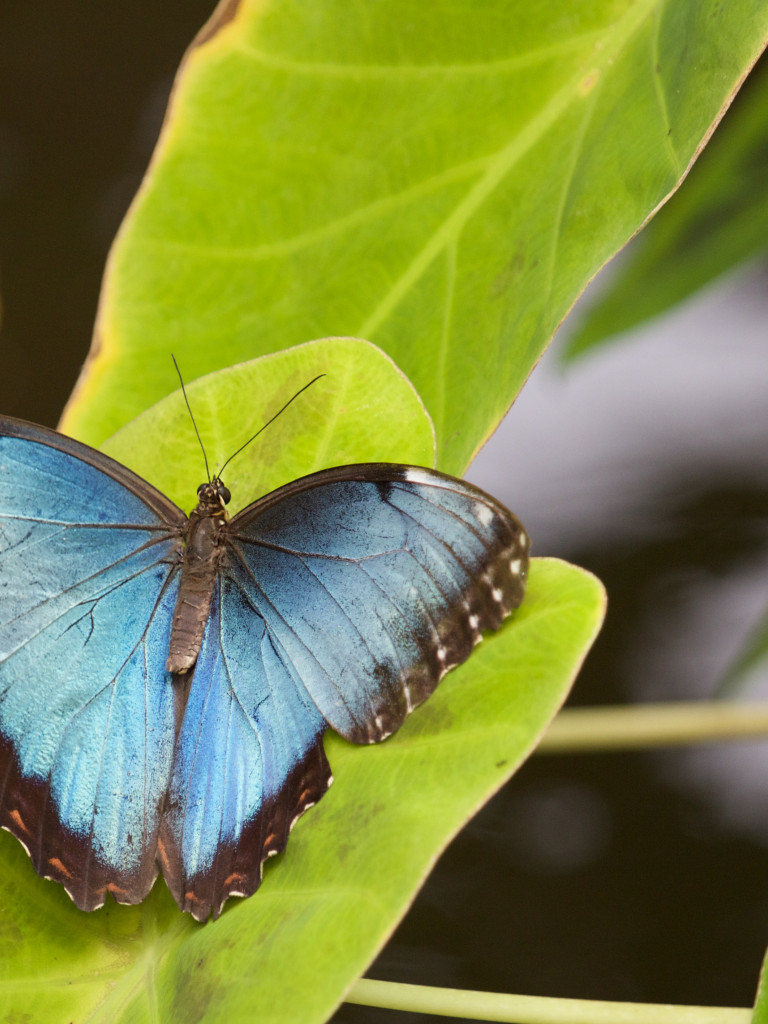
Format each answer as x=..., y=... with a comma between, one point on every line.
x=653, y=725
x=496, y=1006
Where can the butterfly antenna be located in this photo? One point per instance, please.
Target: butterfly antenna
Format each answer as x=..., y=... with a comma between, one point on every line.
x=189, y=408
x=268, y=423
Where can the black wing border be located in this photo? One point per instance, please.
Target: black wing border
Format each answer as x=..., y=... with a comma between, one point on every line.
x=363, y=472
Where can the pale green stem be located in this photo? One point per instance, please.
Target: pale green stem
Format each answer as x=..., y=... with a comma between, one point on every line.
x=653, y=725
x=448, y=1002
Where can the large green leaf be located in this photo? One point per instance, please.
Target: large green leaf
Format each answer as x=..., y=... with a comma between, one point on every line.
x=443, y=178
x=329, y=902
x=716, y=222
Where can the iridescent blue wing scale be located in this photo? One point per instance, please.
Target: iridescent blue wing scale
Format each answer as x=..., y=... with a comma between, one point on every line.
x=344, y=598
x=89, y=557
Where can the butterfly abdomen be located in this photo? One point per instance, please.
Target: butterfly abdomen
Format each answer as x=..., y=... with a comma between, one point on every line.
x=198, y=576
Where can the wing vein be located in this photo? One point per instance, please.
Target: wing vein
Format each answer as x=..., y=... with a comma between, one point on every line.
x=304, y=646
x=94, y=600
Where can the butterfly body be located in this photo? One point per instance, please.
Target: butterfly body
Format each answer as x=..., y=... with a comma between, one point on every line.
x=202, y=553
x=165, y=681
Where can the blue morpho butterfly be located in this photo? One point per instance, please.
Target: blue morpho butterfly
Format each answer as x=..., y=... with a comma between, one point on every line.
x=165, y=682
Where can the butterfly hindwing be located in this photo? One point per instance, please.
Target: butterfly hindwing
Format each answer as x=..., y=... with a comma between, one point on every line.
x=249, y=758
x=88, y=560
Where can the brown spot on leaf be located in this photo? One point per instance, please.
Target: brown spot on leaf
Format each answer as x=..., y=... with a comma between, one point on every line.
x=195, y=989
x=508, y=277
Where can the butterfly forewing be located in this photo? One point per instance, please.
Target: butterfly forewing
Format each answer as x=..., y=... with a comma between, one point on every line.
x=375, y=580
x=87, y=564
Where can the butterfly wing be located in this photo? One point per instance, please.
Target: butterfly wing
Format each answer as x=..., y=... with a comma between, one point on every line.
x=343, y=599
x=375, y=580
x=249, y=759
x=88, y=577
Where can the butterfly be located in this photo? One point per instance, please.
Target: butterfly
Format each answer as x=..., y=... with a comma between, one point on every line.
x=166, y=681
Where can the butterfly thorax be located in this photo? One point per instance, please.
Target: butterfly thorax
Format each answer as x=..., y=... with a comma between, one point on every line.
x=202, y=553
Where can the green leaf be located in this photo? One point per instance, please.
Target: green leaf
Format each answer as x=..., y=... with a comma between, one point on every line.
x=718, y=220
x=760, y=1015
x=363, y=410
x=749, y=662
x=350, y=869
x=441, y=178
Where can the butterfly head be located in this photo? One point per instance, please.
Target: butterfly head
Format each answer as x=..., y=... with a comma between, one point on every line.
x=212, y=497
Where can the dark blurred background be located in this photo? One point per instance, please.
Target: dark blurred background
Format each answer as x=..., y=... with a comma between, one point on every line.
x=83, y=88
x=639, y=876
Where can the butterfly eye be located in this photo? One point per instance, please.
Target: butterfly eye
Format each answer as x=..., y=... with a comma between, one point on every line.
x=201, y=491
x=223, y=492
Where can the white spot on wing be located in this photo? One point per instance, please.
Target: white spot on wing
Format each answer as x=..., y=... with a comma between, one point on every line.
x=441, y=653
x=523, y=538
x=474, y=622
x=414, y=475
x=483, y=513
x=496, y=594
x=514, y=566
